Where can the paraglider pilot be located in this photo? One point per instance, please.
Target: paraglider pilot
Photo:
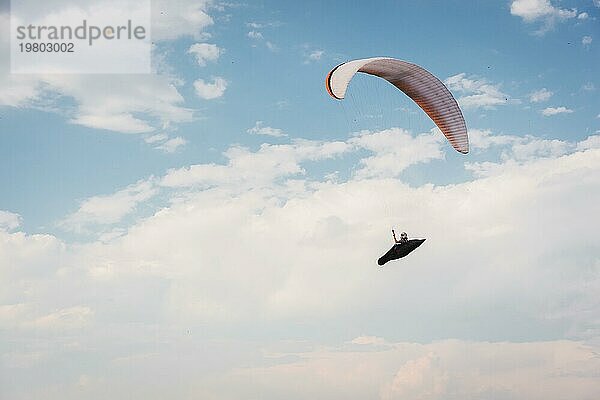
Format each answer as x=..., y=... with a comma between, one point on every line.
x=401, y=248
x=403, y=237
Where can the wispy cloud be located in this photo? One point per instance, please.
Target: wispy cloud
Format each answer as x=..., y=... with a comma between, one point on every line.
x=261, y=25
x=172, y=145
x=260, y=129
x=556, y=110
x=258, y=37
x=210, y=90
x=159, y=137
x=314, y=55
x=109, y=209
x=271, y=46
x=162, y=141
x=539, y=96
x=479, y=92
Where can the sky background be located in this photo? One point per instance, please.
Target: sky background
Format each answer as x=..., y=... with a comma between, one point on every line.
x=211, y=230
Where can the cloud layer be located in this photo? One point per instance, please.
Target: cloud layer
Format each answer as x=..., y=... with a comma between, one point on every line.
x=268, y=276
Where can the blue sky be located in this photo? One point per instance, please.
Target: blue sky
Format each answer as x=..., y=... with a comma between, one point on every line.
x=216, y=223
x=505, y=52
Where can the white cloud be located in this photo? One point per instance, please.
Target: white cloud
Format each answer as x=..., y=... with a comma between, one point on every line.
x=529, y=148
x=172, y=145
x=125, y=123
x=483, y=139
x=530, y=10
x=533, y=10
x=539, y=96
x=184, y=18
x=205, y=52
x=9, y=220
x=515, y=149
x=394, y=150
x=341, y=202
x=548, y=111
x=480, y=93
x=255, y=169
x=118, y=103
x=110, y=209
x=258, y=37
x=566, y=14
x=259, y=129
x=314, y=55
x=159, y=137
x=121, y=103
x=390, y=153
x=541, y=10
x=291, y=218
x=583, y=15
x=261, y=25
x=586, y=40
x=255, y=35
x=164, y=143
x=28, y=264
x=110, y=102
x=208, y=90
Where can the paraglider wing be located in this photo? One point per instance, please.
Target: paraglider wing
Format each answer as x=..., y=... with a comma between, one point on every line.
x=400, y=250
x=417, y=83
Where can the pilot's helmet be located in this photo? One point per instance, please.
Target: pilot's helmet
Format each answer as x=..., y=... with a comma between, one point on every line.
x=403, y=235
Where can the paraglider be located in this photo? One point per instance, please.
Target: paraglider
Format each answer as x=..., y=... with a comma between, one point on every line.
x=401, y=248
x=424, y=89
x=417, y=83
